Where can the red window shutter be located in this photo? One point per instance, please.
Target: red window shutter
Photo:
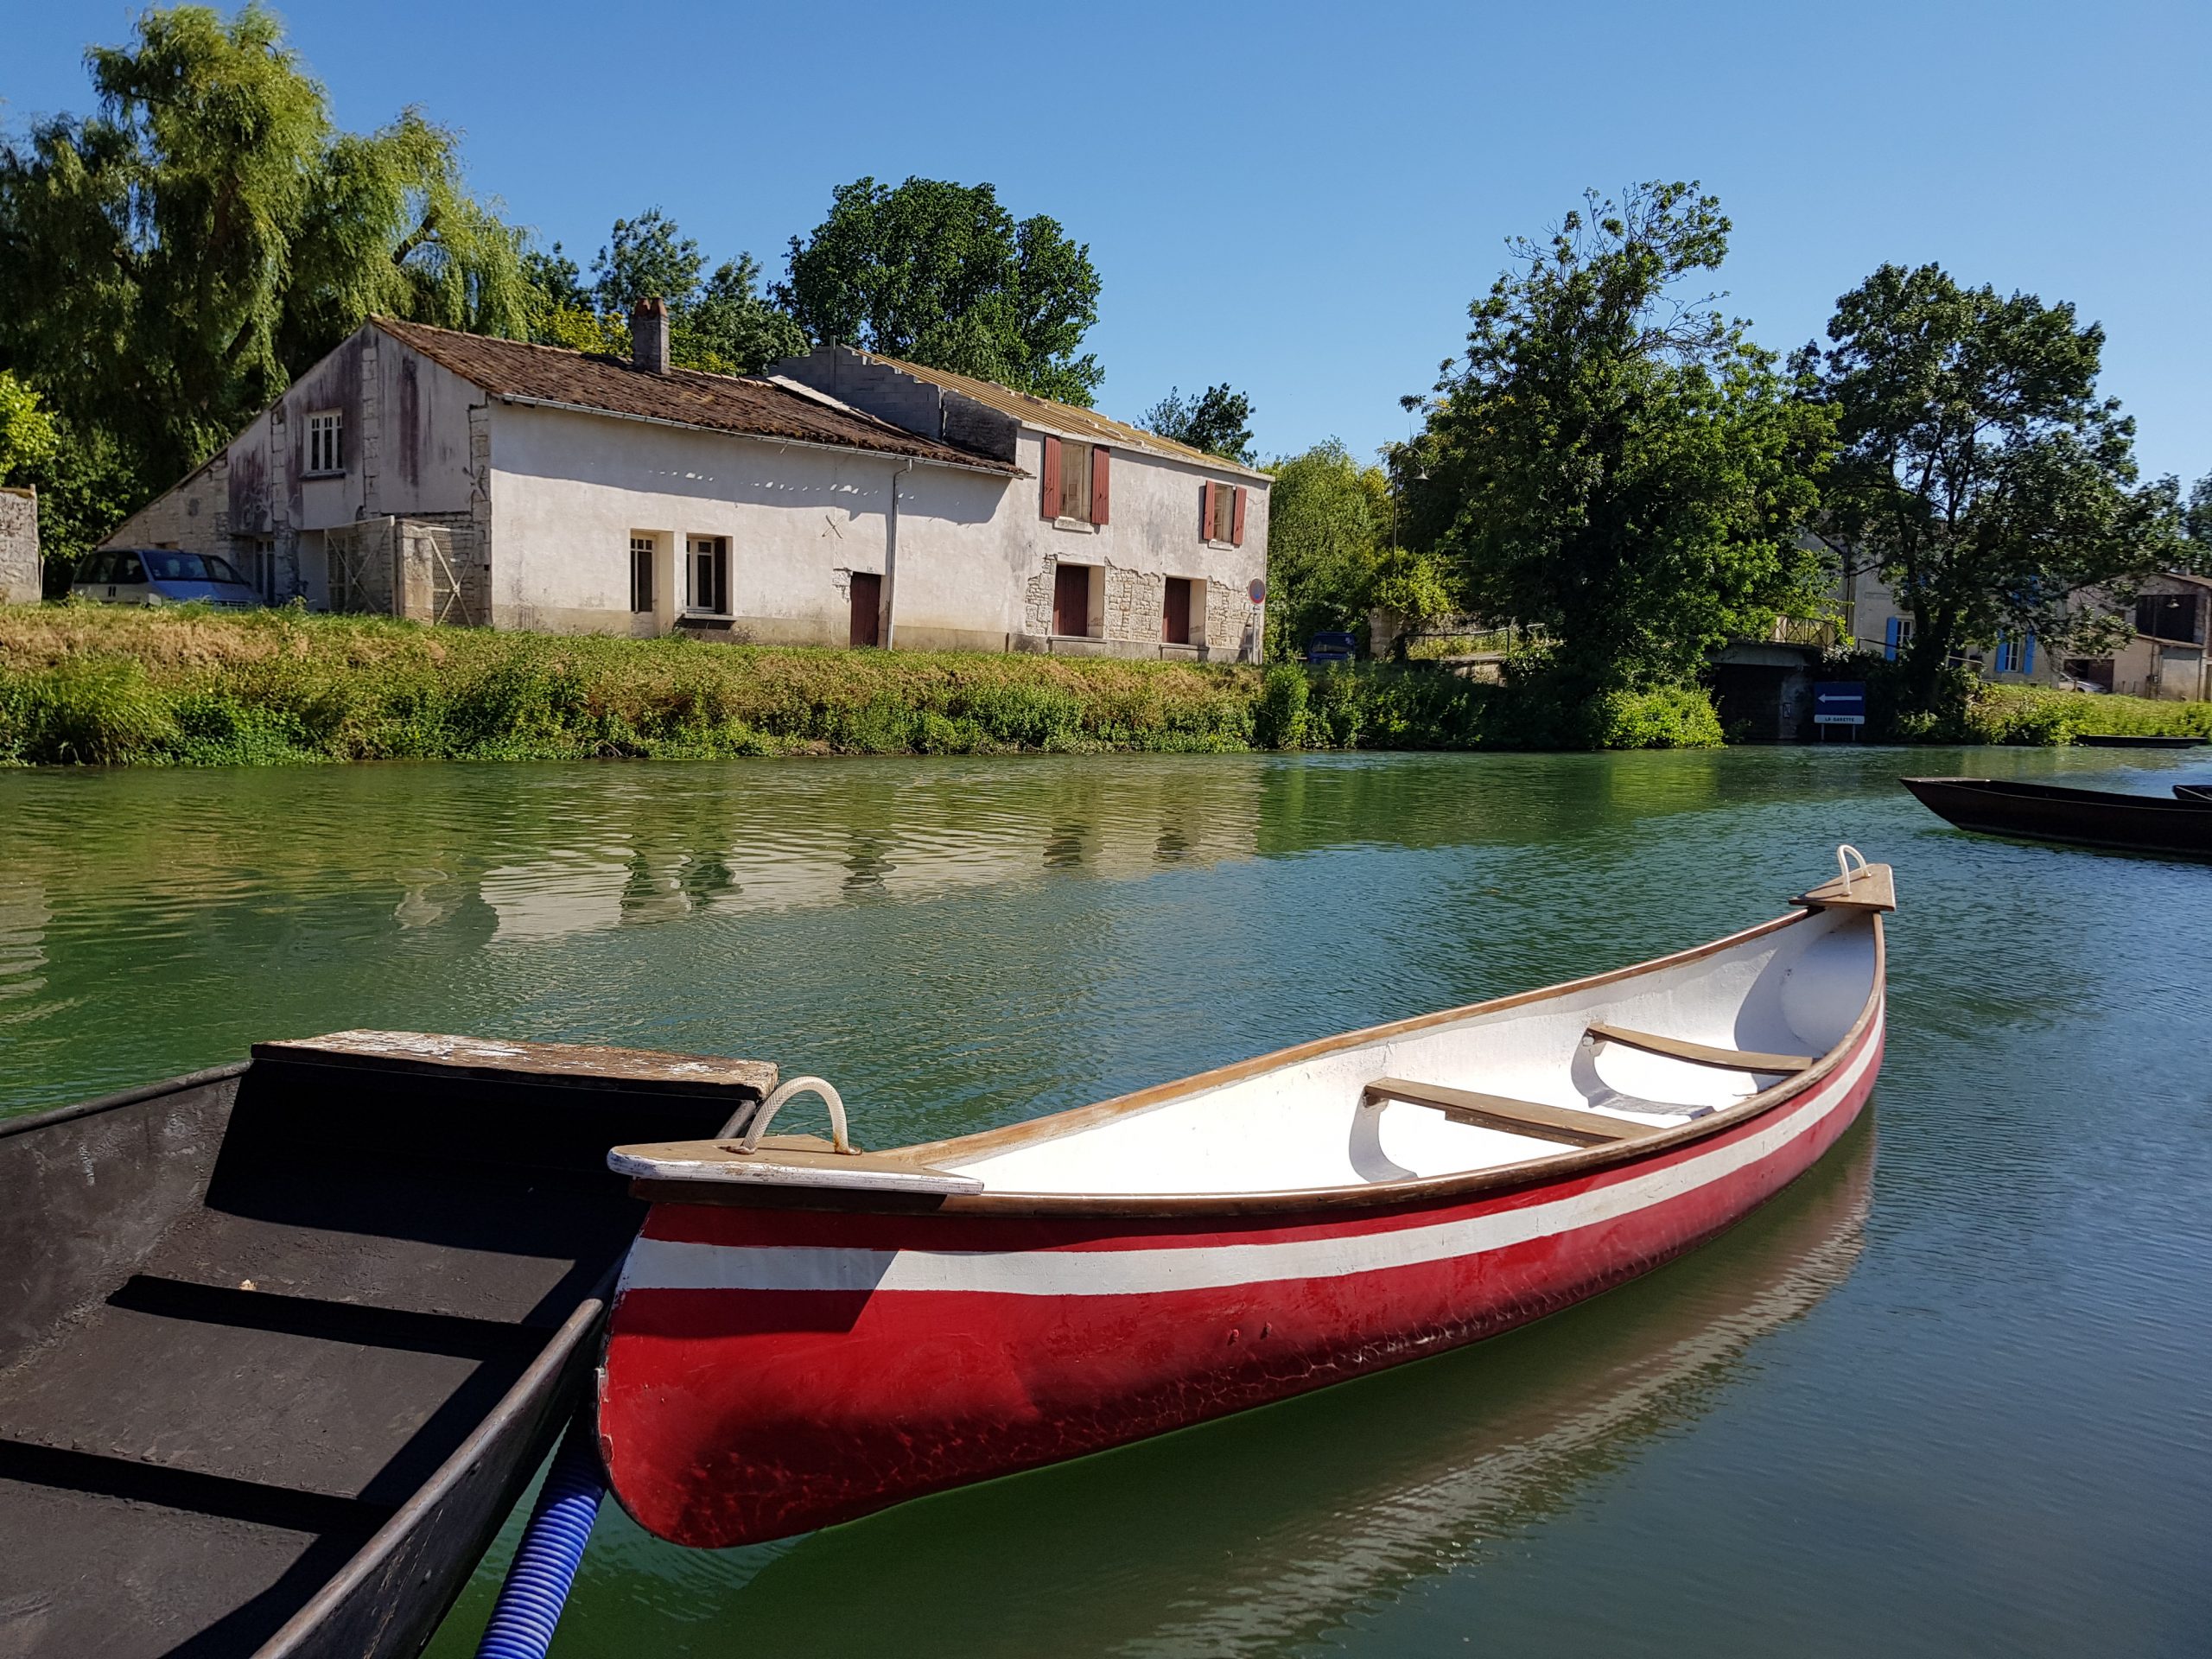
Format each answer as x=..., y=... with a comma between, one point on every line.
x=1205, y=513
x=1099, y=491
x=1050, y=503
x=1236, y=518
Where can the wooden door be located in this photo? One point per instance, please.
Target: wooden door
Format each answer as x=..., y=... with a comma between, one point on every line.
x=1071, y=599
x=867, y=610
x=1175, y=624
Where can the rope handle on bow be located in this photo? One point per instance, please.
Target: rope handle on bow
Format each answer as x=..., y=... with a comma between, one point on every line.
x=838, y=1140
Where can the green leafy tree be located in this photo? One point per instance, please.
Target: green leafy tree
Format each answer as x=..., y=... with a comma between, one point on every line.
x=1615, y=462
x=1217, y=420
x=168, y=263
x=1328, y=525
x=2196, y=526
x=647, y=258
x=941, y=275
x=721, y=323
x=731, y=326
x=28, y=437
x=1980, y=474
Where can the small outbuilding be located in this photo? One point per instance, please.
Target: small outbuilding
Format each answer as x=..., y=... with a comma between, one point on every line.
x=842, y=499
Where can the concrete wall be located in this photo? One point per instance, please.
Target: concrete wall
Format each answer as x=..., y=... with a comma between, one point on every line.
x=413, y=448
x=20, y=573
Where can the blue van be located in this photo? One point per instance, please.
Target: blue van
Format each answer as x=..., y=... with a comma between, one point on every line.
x=162, y=575
x=1331, y=647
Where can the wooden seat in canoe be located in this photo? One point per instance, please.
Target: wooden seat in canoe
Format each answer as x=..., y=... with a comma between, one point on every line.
x=1675, y=1048
x=1529, y=1117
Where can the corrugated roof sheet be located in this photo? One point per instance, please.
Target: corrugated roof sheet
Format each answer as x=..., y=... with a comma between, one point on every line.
x=746, y=404
x=1066, y=417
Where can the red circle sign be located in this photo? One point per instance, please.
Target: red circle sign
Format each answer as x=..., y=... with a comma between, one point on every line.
x=1258, y=590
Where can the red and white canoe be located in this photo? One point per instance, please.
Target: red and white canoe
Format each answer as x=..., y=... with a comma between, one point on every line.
x=803, y=1334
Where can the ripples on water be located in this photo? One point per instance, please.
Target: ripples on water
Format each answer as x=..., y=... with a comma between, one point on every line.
x=1950, y=1400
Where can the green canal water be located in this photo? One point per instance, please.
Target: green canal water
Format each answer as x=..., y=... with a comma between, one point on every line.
x=1952, y=1392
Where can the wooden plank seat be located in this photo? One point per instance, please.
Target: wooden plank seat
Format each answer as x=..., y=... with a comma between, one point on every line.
x=1529, y=1117
x=1729, y=1059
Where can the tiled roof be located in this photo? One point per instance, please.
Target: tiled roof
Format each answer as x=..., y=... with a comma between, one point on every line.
x=1066, y=417
x=721, y=402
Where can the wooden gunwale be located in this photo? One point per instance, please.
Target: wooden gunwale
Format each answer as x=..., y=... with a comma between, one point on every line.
x=532, y=1390
x=1382, y=1198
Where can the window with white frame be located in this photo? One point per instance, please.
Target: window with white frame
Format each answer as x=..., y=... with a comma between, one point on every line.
x=642, y=549
x=326, y=442
x=709, y=576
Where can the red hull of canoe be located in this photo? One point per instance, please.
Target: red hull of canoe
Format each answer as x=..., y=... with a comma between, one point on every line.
x=769, y=1371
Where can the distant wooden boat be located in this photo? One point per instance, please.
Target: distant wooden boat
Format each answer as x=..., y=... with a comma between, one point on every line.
x=2193, y=791
x=281, y=1343
x=2131, y=740
x=805, y=1332
x=2080, y=817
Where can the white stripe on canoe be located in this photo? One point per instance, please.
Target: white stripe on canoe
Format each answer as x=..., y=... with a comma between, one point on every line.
x=671, y=1264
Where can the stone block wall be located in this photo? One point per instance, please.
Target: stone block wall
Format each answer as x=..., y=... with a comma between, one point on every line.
x=20, y=574
x=1134, y=601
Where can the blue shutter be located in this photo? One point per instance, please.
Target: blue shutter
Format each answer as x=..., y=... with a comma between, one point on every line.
x=1890, y=640
x=2028, y=655
x=2004, y=653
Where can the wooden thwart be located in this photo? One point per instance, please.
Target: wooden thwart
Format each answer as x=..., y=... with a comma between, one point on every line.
x=1515, y=1116
x=1730, y=1060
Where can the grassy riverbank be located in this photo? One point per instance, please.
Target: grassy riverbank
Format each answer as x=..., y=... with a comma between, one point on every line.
x=83, y=684
x=97, y=685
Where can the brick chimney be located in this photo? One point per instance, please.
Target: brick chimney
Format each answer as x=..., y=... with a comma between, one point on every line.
x=648, y=335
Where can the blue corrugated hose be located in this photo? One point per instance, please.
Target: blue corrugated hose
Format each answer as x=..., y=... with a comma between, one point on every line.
x=552, y=1547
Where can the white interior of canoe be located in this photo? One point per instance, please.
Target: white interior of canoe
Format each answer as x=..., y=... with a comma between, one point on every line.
x=1796, y=990
x=1313, y=1122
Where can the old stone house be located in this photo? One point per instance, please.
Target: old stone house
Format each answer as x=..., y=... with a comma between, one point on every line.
x=840, y=499
x=2165, y=656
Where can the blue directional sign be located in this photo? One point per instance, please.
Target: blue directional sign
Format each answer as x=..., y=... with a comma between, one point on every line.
x=1839, y=702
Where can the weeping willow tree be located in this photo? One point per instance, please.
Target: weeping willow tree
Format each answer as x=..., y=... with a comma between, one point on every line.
x=168, y=264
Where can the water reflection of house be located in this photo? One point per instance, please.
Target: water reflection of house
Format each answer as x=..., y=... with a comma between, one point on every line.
x=899, y=842
x=842, y=499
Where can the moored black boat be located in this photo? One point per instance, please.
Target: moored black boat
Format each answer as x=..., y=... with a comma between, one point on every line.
x=2083, y=818
x=2193, y=791
x=2134, y=741
x=281, y=1343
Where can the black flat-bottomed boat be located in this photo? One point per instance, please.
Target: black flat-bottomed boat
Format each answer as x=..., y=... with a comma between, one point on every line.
x=281, y=1344
x=2134, y=741
x=2175, y=827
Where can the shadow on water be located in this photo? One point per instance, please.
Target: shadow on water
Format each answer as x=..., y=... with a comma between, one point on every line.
x=1258, y=1533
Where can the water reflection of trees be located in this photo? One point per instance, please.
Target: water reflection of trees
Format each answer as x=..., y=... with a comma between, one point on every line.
x=1260, y=1534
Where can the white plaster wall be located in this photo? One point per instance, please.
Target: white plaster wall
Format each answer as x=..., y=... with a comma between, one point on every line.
x=569, y=489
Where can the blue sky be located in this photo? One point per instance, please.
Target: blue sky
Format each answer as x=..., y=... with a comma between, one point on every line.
x=1301, y=199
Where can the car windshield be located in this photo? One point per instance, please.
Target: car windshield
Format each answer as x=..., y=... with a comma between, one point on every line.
x=166, y=565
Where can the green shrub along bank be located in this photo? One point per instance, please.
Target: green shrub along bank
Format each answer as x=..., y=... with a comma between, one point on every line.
x=87, y=685
x=1969, y=710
